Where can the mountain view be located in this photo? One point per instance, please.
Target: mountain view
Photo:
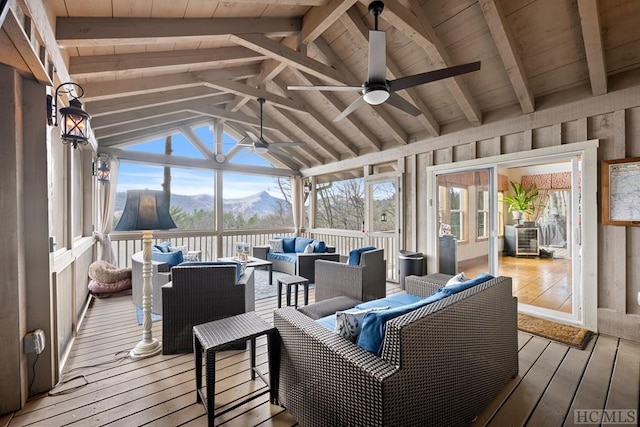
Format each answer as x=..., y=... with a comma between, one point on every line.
x=260, y=204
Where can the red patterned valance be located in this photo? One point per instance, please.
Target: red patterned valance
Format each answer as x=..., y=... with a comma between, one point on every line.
x=549, y=181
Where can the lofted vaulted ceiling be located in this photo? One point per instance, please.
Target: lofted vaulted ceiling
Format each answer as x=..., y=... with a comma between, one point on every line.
x=152, y=67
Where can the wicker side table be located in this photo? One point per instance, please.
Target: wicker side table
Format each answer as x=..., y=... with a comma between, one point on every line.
x=212, y=336
x=289, y=282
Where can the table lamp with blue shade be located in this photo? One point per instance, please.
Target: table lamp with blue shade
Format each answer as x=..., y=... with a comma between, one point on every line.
x=146, y=210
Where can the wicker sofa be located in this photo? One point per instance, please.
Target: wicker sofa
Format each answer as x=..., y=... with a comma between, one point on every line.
x=440, y=364
x=296, y=263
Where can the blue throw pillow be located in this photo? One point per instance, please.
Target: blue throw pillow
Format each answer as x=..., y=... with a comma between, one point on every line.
x=171, y=258
x=319, y=246
x=198, y=263
x=289, y=244
x=301, y=243
x=163, y=246
x=354, y=255
x=373, y=324
x=453, y=289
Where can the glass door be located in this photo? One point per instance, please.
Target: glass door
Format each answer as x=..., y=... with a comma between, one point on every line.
x=383, y=225
x=466, y=222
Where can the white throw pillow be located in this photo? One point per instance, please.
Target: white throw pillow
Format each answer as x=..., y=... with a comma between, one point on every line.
x=182, y=249
x=308, y=249
x=457, y=279
x=349, y=323
x=275, y=246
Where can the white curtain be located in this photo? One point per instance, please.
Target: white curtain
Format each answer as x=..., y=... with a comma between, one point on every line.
x=296, y=203
x=106, y=206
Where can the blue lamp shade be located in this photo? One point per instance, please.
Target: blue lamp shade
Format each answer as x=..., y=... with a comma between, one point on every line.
x=145, y=210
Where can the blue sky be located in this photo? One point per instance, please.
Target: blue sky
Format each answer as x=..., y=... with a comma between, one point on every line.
x=194, y=181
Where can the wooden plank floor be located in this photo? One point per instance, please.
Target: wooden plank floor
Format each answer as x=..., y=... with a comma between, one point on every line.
x=553, y=380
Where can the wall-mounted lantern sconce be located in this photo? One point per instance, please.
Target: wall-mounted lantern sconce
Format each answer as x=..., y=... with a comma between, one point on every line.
x=74, y=121
x=101, y=168
x=383, y=217
x=306, y=187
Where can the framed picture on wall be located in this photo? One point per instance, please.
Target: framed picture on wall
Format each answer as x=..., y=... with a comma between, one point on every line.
x=621, y=191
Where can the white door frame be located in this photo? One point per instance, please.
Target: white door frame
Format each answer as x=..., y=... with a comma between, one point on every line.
x=585, y=302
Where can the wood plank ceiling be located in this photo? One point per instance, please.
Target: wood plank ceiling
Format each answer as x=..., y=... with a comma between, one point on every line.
x=151, y=67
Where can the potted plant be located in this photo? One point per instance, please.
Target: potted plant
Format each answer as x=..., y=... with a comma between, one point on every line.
x=521, y=202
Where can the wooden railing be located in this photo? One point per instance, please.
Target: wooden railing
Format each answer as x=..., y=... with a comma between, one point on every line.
x=214, y=245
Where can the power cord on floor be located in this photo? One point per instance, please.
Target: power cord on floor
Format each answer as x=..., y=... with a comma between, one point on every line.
x=33, y=372
x=64, y=380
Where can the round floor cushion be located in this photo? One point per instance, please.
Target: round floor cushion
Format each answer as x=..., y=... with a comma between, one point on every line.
x=104, y=272
x=96, y=287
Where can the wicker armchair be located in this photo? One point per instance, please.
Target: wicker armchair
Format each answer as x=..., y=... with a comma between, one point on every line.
x=200, y=294
x=440, y=364
x=363, y=282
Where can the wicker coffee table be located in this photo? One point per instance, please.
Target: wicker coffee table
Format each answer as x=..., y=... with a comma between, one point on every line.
x=217, y=335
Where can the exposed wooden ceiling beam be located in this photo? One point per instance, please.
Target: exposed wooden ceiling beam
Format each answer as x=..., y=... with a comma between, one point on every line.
x=253, y=92
x=275, y=50
x=360, y=34
x=386, y=119
x=134, y=102
x=593, y=45
x=138, y=86
x=318, y=19
x=198, y=143
x=220, y=113
x=505, y=43
x=92, y=67
x=144, y=135
x=369, y=137
x=123, y=128
x=78, y=32
x=22, y=42
x=186, y=162
x=338, y=136
x=414, y=24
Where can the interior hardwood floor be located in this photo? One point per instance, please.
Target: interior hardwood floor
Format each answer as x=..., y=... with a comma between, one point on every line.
x=542, y=282
x=553, y=380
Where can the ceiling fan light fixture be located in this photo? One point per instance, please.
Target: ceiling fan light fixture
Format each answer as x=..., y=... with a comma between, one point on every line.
x=260, y=149
x=376, y=96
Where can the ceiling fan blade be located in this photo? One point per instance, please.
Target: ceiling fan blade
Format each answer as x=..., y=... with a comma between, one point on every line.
x=246, y=142
x=377, y=57
x=253, y=137
x=351, y=108
x=402, y=104
x=283, y=153
x=288, y=144
x=432, y=76
x=327, y=88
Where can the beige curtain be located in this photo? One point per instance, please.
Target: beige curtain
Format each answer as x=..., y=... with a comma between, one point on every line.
x=296, y=203
x=107, y=201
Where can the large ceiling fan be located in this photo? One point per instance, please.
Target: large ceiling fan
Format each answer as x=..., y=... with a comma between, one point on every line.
x=377, y=89
x=261, y=146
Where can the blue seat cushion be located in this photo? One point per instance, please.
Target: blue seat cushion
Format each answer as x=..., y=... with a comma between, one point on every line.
x=301, y=243
x=319, y=246
x=284, y=256
x=237, y=265
x=395, y=300
x=171, y=258
x=354, y=255
x=373, y=325
x=289, y=244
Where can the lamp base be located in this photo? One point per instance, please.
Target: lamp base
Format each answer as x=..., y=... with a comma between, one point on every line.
x=143, y=349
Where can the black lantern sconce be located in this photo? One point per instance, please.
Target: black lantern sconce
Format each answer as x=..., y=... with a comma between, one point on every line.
x=306, y=188
x=74, y=121
x=101, y=168
x=383, y=217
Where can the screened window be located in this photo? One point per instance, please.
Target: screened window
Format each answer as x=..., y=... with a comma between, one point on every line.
x=191, y=192
x=340, y=204
x=482, y=225
x=453, y=208
x=253, y=201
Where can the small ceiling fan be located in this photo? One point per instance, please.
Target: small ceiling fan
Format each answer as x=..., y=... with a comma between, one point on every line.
x=377, y=89
x=261, y=146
